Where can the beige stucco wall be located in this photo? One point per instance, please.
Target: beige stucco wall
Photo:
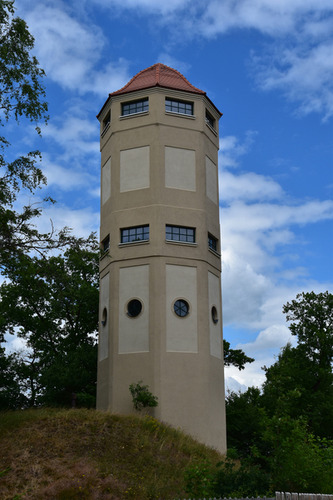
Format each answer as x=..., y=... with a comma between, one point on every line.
x=134, y=169
x=104, y=301
x=181, y=333
x=133, y=332
x=215, y=329
x=180, y=172
x=106, y=181
x=211, y=180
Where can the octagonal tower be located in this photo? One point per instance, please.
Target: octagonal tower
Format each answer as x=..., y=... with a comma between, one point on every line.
x=160, y=271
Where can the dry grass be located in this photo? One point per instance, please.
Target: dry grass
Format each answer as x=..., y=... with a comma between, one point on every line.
x=85, y=454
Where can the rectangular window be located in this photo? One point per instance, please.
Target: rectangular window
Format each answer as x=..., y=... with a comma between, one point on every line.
x=133, y=107
x=212, y=242
x=132, y=234
x=106, y=122
x=179, y=233
x=210, y=120
x=181, y=107
x=105, y=245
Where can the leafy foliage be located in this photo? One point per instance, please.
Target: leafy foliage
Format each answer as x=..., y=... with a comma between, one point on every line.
x=200, y=480
x=283, y=433
x=22, y=96
x=52, y=303
x=235, y=357
x=300, y=383
x=142, y=397
x=245, y=420
x=11, y=396
x=312, y=316
x=298, y=461
x=20, y=80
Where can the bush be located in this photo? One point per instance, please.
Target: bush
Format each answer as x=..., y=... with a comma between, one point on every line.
x=200, y=480
x=142, y=397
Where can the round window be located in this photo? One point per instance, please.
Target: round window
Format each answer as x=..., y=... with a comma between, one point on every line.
x=134, y=307
x=104, y=316
x=181, y=308
x=215, y=317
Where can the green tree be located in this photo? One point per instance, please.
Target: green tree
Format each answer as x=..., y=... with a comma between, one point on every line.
x=245, y=420
x=235, y=357
x=312, y=317
x=52, y=303
x=11, y=395
x=300, y=383
x=297, y=460
x=22, y=97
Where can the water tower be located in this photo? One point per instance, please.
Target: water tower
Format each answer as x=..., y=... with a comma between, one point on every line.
x=160, y=270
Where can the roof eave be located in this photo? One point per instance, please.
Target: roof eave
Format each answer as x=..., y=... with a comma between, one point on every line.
x=120, y=92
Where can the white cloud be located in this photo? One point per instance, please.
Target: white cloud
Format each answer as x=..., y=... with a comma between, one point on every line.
x=231, y=385
x=15, y=344
x=82, y=221
x=231, y=148
x=153, y=6
x=264, y=349
x=248, y=186
x=67, y=179
x=272, y=338
x=298, y=56
x=69, y=51
x=257, y=219
x=305, y=76
x=274, y=18
x=77, y=136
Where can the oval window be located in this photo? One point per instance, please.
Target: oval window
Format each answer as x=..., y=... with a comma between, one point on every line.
x=104, y=316
x=181, y=308
x=215, y=317
x=134, y=307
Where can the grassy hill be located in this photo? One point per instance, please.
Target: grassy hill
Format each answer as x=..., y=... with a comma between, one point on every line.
x=86, y=454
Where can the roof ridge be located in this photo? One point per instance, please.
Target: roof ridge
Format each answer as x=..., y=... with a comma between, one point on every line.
x=156, y=72
x=184, y=78
x=158, y=66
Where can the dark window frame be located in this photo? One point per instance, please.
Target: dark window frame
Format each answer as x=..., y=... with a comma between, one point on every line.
x=181, y=234
x=212, y=243
x=106, y=122
x=210, y=120
x=134, y=308
x=215, y=315
x=181, y=308
x=178, y=106
x=105, y=244
x=129, y=108
x=134, y=234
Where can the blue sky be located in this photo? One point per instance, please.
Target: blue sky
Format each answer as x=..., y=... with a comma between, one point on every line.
x=268, y=66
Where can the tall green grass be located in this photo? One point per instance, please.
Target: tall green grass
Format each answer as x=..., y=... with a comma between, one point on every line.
x=86, y=454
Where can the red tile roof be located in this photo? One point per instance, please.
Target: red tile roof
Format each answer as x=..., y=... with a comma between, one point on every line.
x=158, y=75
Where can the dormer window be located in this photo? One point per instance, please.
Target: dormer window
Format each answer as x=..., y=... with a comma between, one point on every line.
x=134, y=107
x=180, y=107
x=210, y=120
x=106, y=122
